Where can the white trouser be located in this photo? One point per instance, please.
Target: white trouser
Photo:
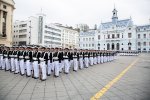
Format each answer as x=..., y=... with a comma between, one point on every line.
x=91, y=61
x=56, y=68
x=102, y=59
x=86, y=62
x=12, y=64
x=95, y=60
x=49, y=67
x=29, y=67
x=16, y=65
x=106, y=58
x=98, y=59
x=62, y=65
x=75, y=64
x=22, y=66
x=36, y=69
x=1, y=61
x=7, y=64
x=81, y=62
x=43, y=67
x=67, y=65
x=71, y=63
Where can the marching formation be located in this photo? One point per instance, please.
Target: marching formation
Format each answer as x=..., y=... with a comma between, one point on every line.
x=40, y=62
x=129, y=53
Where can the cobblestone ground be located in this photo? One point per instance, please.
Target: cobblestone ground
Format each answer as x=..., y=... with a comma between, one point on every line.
x=82, y=85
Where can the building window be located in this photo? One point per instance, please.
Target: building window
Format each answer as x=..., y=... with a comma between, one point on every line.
x=83, y=45
x=92, y=39
x=138, y=36
x=113, y=36
x=139, y=43
x=92, y=45
x=122, y=43
x=122, y=35
x=129, y=35
x=98, y=48
x=144, y=35
x=89, y=39
x=149, y=43
x=83, y=39
x=23, y=31
x=129, y=48
x=86, y=39
x=99, y=37
x=144, y=43
x=86, y=45
x=129, y=28
x=4, y=6
x=118, y=35
x=108, y=36
x=22, y=36
x=89, y=45
x=122, y=49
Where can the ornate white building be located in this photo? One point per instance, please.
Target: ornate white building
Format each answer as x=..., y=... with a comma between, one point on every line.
x=117, y=34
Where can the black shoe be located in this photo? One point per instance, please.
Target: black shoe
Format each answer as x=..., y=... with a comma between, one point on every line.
x=21, y=74
x=43, y=79
x=48, y=74
x=36, y=77
x=28, y=75
x=16, y=73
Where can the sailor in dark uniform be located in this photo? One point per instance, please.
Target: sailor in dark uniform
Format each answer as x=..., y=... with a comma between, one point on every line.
x=60, y=58
x=50, y=66
x=35, y=63
x=70, y=59
x=29, y=58
x=56, y=62
x=75, y=60
x=81, y=59
x=1, y=56
x=21, y=60
x=86, y=59
x=6, y=65
x=91, y=57
x=66, y=60
x=43, y=58
x=16, y=59
x=12, y=60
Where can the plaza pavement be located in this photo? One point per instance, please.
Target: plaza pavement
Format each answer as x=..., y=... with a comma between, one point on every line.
x=84, y=84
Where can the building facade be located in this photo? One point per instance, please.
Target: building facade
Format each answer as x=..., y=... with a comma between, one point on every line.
x=119, y=35
x=69, y=36
x=35, y=31
x=6, y=21
x=143, y=38
x=88, y=40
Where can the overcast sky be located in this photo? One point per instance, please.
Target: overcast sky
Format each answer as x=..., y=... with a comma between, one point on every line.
x=72, y=12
